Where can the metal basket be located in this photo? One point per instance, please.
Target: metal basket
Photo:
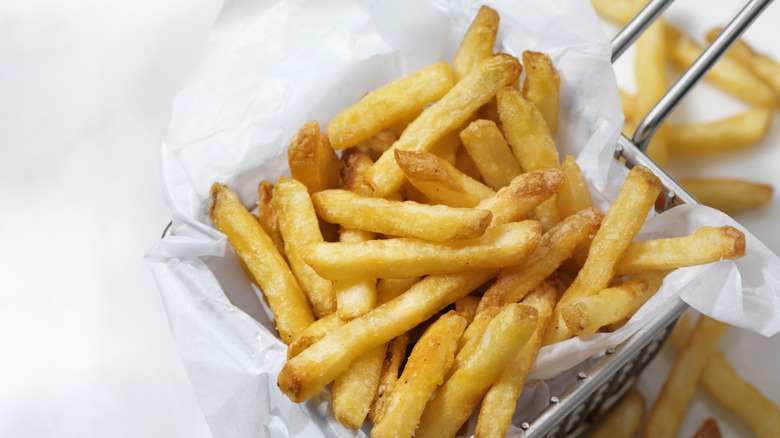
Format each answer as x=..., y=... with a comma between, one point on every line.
x=570, y=414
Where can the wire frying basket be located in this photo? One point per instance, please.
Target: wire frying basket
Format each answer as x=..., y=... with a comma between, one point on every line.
x=597, y=390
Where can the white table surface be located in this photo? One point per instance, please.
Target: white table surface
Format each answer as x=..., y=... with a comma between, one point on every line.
x=85, y=89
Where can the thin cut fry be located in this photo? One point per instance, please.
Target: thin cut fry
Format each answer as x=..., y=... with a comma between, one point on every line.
x=725, y=135
x=541, y=86
x=354, y=390
x=525, y=192
x=706, y=245
x=312, y=159
x=625, y=419
x=444, y=116
x=708, y=429
x=477, y=44
x=764, y=66
x=284, y=296
x=266, y=214
x=728, y=195
x=396, y=353
x=299, y=227
x=398, y=100
x=394, y=218
x=425, y=369
x=487, y=147
x=670, y=406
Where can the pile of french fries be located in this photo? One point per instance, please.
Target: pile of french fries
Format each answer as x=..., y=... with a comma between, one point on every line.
x=751, y=77
x=420, y=268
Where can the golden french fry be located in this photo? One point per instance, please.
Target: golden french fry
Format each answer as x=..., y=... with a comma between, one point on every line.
x=620, y=12
x=292, y=313
x=651, y=83
x=706, y=245
x=394, y=218
x=396, y=101
x=541, y=86
x=425, y=369
x=477, y=44
x=728, y=195
x=447, y=147
x=452, y=404
x=389, y=288
x=620, y=225
x=312, y=159
x=724, y=385
x=525, y=192
x=355, y=164
x=586, y=315
x=266, y=214
x=467, y=307
x=299, y=227
x=501, y=245
x=354, y=296
x=763, y=66
x=354, y=390
x=499, y=403
x=396, y=353
x=708, y=429
x=486, y=146
x=471, y=338
x=313, y=333
x=625, y=419
x=444, y=116
x=725, y=135
x=728, y=74
x=334, y=352
x=670, y=406
x=573, y=195
x=440, y=181
x=555, y=246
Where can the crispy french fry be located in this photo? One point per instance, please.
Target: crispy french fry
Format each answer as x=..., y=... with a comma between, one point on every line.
x=355, y=164
x=425, y=369
x=525, y=192
x=313, y=333
x=266, y=214
x=396, y=353
x=487, y=147
x=728, y=74
x=725, y=135
x=620, y=225
x=258, y=252
x=670, y=406
x=708, y=429
x=354, y=296
x=334, y=352
x=499, y=403
x=625, y=419
x=724, y=385
x=651, y=83
x=392, y=103
x=451, y=406
x=440, y=181
x=541, y=86
x=444, y=116
x=706, y=245
x=728, y=195
x=354, y=390
x=554, y=247
x=389, y=288
x=394, y=218
x=471, y=338
x=763, y=66
x=467, y=307
x=477, y=44
x=299, y=227
x=573, y=195
x=586, y=315
x=503, y=245
x=312, y=159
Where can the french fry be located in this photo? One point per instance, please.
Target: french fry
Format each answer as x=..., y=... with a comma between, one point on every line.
x=728, y=195
x=502, y=245
x=586, y=315
x=447, y=147
x=620, y=225
x=708, y=429
x=724, y=385
x=651, y=83
x=354, y=296
x=452, y=404
x=541, y=86
x=573, y=195
x=334, y=352
x=425, y=369
x=555, y=246
x=313, y=333
x=625, y=419
x=499, y=403
x=444, y=116
x=763, y=66
x=312, y=159
x=487, y=147
x=299, y=227
x=670, y=406
x=477, y=44
x=440, y=181
x=375, y=146
x=355, y=164
x=466, y=164
x=266, y=214
x=725, y=135
x=389, y=288
x=354, y=390
x=525, y=192
x=620, y=12
x=471, y=338
x=467, y=307
x=292, y=313
x=705, y=245
x=399, y=100
x=396, y=353
x=394, y=218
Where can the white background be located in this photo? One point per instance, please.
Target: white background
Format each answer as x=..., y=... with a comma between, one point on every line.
x=85, y=88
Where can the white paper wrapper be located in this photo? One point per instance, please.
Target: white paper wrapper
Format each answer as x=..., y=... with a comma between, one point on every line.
x=271, y=66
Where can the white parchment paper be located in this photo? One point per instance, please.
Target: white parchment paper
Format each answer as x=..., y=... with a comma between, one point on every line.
x=271, y=66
